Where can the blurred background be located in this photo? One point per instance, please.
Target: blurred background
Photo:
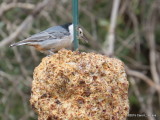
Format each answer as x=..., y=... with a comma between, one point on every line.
x=125, y=29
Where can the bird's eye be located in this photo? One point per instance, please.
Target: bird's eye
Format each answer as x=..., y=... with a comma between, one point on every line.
x=80, y=31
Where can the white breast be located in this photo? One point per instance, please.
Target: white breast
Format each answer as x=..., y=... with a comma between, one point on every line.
x=71, y=31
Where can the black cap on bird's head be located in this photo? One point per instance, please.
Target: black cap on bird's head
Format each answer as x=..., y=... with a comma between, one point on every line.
x=66, y=26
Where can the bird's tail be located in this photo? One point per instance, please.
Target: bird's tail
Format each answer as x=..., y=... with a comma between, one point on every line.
x=18, y=44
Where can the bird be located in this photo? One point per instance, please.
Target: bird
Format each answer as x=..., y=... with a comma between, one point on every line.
x=53, y=39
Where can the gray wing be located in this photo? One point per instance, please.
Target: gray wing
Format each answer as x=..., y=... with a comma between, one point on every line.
x=55, y=32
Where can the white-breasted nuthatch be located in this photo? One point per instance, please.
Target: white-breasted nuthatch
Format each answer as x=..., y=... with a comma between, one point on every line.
x=52, y=39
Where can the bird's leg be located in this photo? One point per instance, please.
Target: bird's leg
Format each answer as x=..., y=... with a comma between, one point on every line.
x=50, y=52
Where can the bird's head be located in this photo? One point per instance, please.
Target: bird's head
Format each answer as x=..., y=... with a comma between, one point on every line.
x=81, y=34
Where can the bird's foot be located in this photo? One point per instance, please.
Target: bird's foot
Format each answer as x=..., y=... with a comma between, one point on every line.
x=50, y=53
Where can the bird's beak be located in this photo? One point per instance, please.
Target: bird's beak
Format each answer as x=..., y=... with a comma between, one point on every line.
x=85, y=39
